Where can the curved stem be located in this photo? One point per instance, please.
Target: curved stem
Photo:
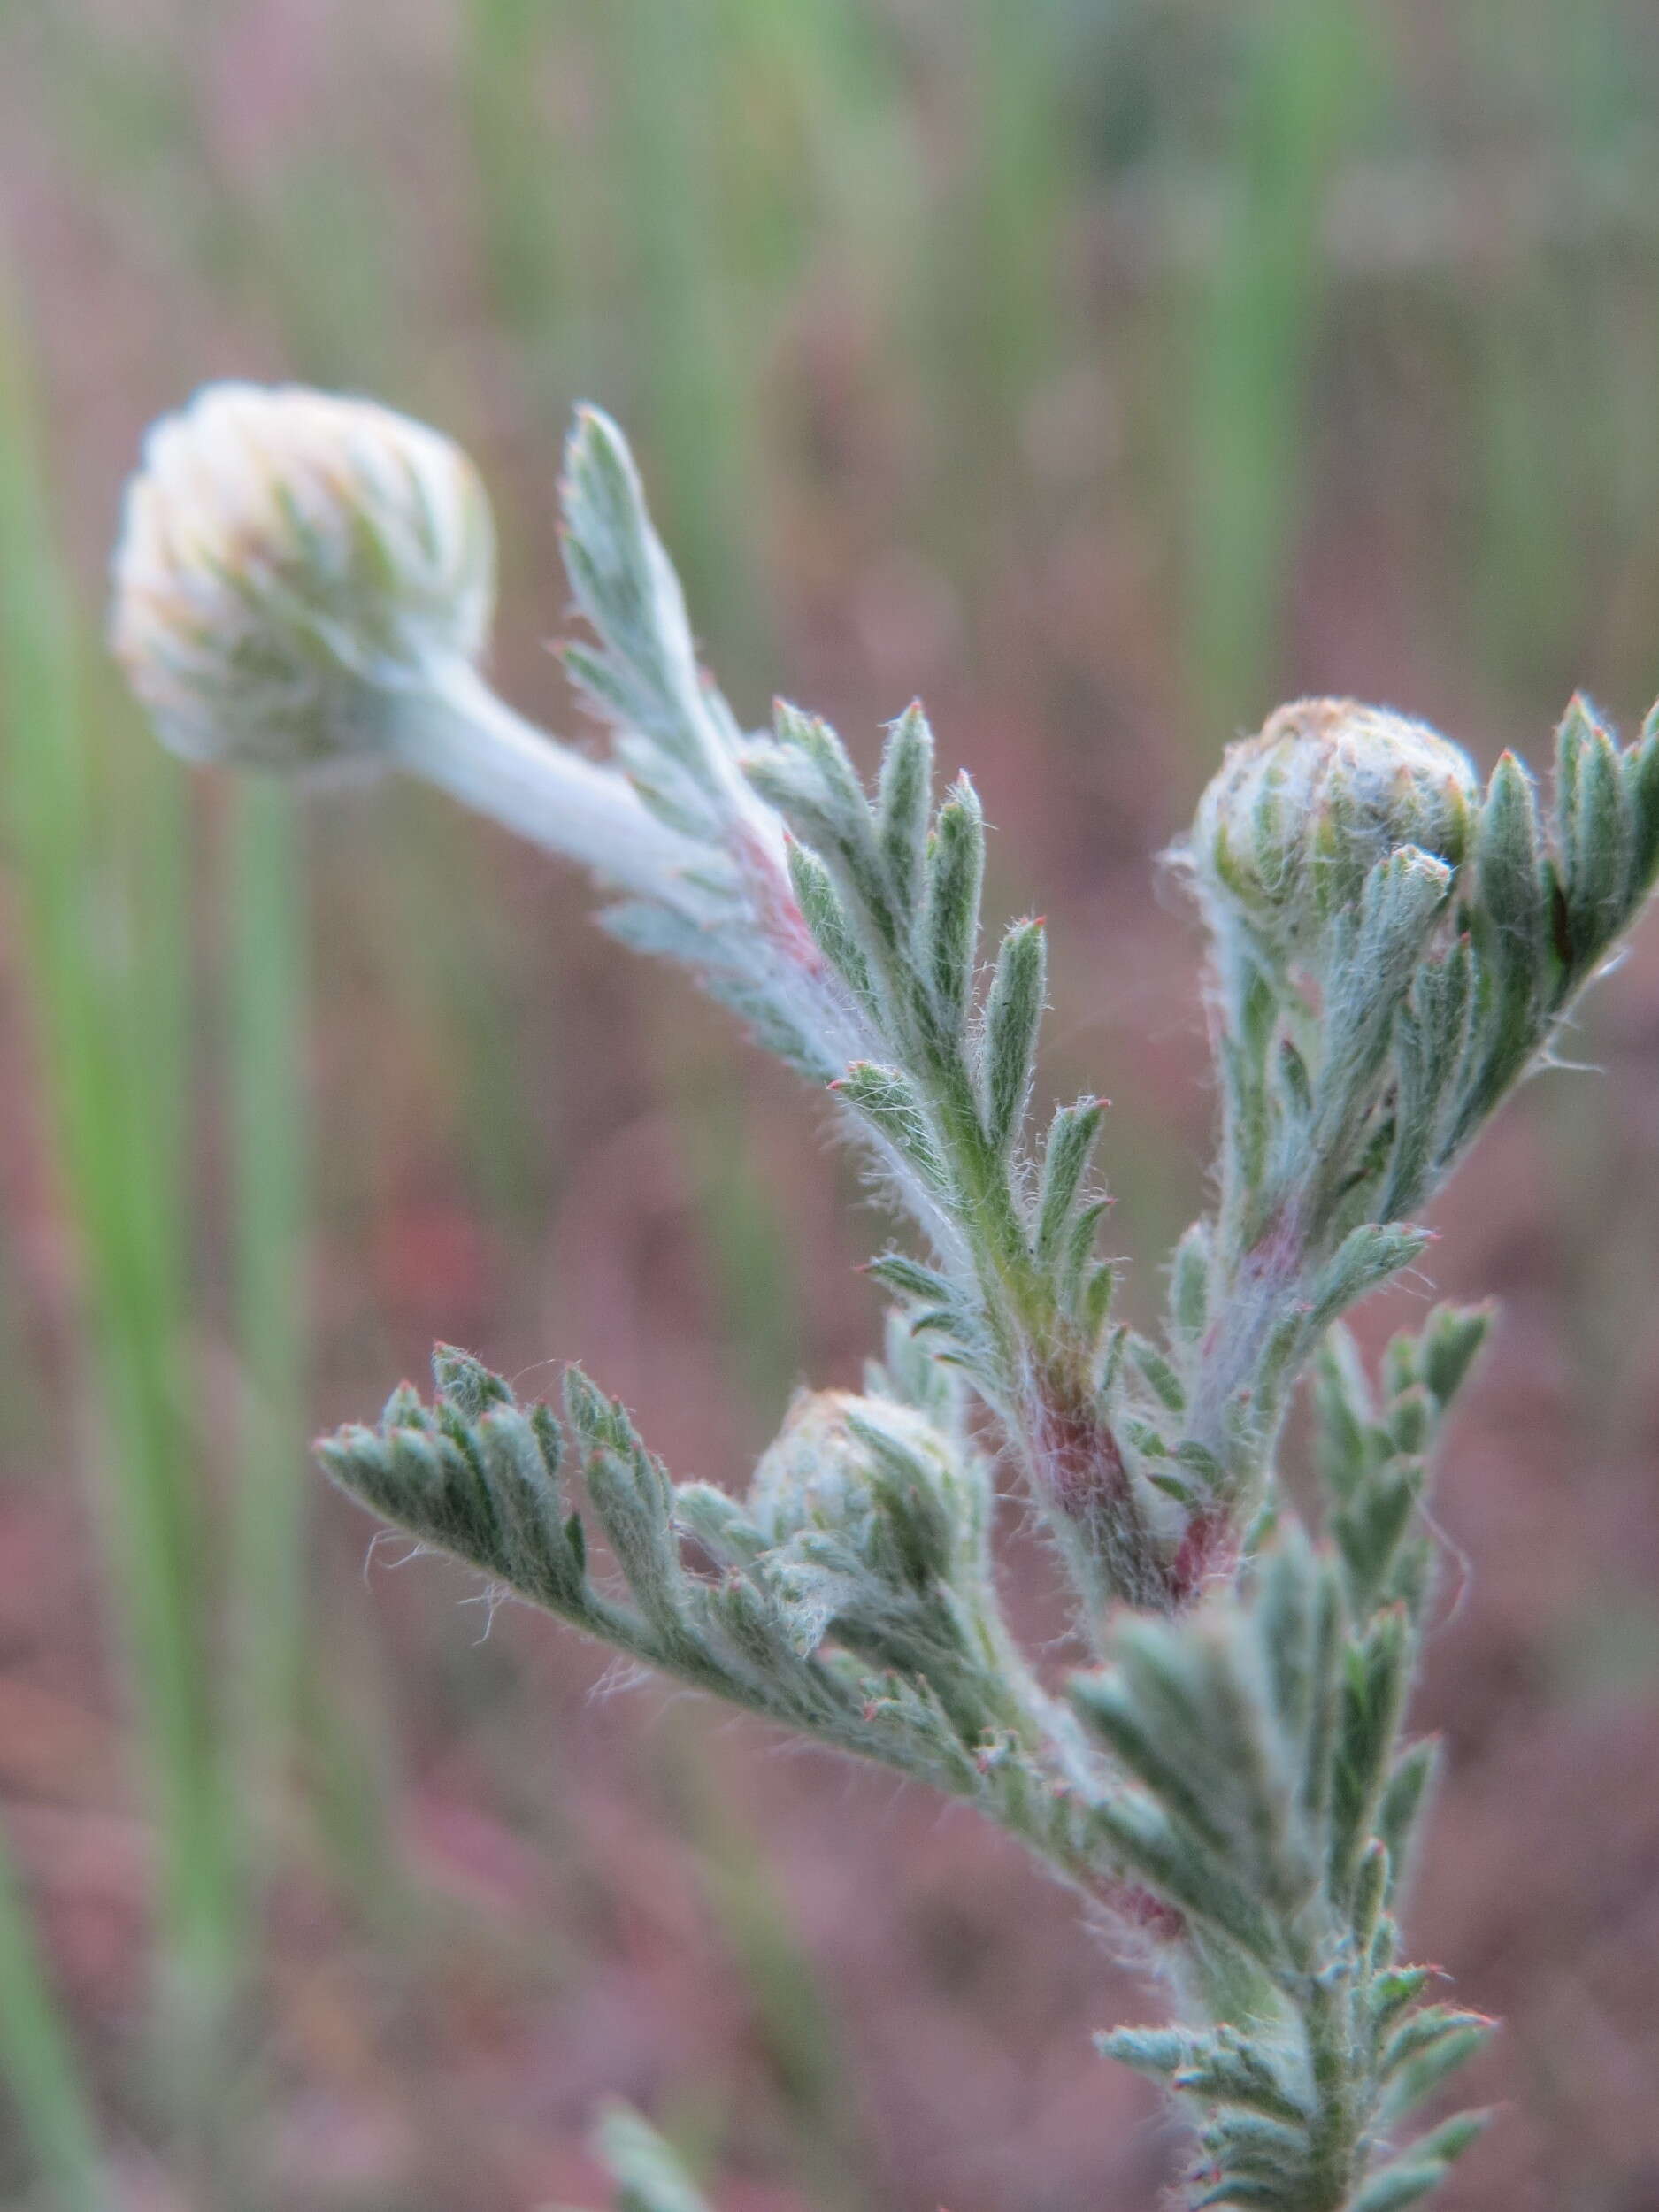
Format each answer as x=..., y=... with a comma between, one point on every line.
x=460, y=737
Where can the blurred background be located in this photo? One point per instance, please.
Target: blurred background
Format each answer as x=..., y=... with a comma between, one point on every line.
x=1105, y=370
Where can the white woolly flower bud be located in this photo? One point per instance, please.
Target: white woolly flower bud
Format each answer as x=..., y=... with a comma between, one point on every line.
x=1295, y=820
x=290, y=561
x=817, y=1473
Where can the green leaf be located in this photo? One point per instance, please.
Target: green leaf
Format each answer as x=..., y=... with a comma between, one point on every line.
x=1426, y=2032
x=1198, y=1881
x=1372, y=957
x=1093, y=1307
x=1512, y=921
x=1240, y=2194
x=1430, y=1047
x=648, y=2175
x=1072, y=1134
x=1448, y=1344
x=467, y=1382
x=632, y=1497
x=1185, y=1493
x=1421, y=2168
x=1230, y=2068
x=1593, y=831
x=625, y=584
x=1411, y=1419
x=1377, y=1672
x=1369, y=1527
x=903, y=797
x=1248, y=2146
x=1173, y=1760
x=1074, y=1267
x=1416, y=2076
x=826, y=919
x=1367, y=1256
x=1371, y=1882
x=1008, y=1049
x=1342, y=1412
x=718, y=1522
x=896, y=1270
x=1640, y=769
x=956, y=870
x=888, y=1100
x=1508, y=872
x=1158, y=1372
x=1155, y=2051
x=1403, y=1797
x=808, y=775
x=1452, y=2137
x=1189, y=1284
x=1399, y=2184
x=534, y=1553
x=1393, y=1989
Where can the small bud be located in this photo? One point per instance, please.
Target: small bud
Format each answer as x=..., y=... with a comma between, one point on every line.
x=1295, y=820
x=819, y=1472
x=289, y=561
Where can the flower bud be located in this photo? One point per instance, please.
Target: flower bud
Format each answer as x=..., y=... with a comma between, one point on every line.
x=817, y=1473
x=1294, y=820
x=289, y=562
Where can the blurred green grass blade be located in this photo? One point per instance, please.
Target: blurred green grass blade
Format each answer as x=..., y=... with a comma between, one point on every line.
x=1308, y=67
x=1530, y=452
x=462, y=983
x=267, y=1045
x=536, y=225
x=795, y=2015
x=355, y=1774
x=753, y=1275
x=43, y=2080
x=152, y=803
x=1562, y=427
x=105, y=1075
x=668, y=75
x=1002, y=320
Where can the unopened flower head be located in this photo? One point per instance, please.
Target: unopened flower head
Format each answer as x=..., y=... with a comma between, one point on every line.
x=290, y=562
x=1294, y=818
x=817, y=1473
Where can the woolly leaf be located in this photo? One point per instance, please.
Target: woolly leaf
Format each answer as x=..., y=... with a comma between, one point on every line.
x=826, y=919
x=956, y=868
x=896, y=1270
x=1072, y=1134
x=890, y=1102
x=1448, y=1345
x=1367, y=1256
x=1593, y=831
x=1189, y=1284
x=1422, y=2168
x=1639, y=770
x=1155, y=2051
x=1416, y=2075
x=904, y=794
x=1008, y=1048
x=1158, y=1372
